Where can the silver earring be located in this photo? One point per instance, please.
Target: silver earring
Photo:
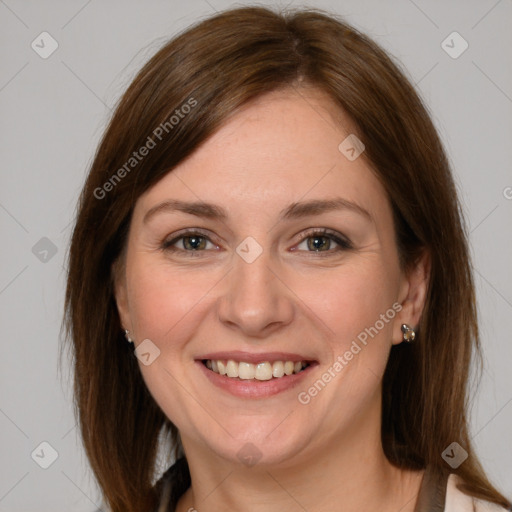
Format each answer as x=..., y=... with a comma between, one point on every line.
x=127, y=336
x=408, y=333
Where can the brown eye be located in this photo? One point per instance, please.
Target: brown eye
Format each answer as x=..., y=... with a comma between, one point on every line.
x=323, y=241
x=194, y=243
x=319, y=243
x=189, y=242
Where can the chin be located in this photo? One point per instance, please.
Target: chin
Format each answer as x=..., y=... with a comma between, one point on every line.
x=263, y=445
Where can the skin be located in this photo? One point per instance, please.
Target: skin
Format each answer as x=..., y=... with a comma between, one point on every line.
x=326, y=455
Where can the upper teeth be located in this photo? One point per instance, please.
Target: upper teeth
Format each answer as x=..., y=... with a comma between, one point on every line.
x=260, y=371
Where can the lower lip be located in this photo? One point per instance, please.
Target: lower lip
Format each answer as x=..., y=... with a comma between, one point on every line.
x=255, y=388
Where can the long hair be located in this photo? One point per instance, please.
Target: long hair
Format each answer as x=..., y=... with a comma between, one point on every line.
x=215, y=67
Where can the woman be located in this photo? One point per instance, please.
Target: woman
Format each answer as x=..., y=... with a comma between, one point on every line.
x=271, y=223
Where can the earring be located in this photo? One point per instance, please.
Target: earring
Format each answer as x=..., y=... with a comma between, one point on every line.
x=408, y=333
x=127, y=336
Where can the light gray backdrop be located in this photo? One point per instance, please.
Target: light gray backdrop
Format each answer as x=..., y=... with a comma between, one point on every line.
x=54, y=107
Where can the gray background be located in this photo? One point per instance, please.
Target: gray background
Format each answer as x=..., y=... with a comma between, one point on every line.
x=53, y=112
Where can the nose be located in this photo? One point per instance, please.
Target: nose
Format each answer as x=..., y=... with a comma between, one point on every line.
x=255, y=300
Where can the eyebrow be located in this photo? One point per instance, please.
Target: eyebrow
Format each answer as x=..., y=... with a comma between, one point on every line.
x=293, y=211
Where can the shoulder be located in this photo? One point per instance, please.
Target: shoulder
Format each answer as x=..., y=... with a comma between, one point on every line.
x=457, y=501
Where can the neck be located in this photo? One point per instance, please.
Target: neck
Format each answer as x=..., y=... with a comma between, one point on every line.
x=349, y=475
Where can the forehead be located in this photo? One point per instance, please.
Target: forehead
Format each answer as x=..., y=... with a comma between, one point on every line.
x=278, y=149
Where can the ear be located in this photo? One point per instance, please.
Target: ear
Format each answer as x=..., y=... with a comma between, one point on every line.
x=120, y=292
x=412, y=295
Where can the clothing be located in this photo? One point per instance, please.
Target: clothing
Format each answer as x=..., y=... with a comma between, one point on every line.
x=456, y=500
x=440, y=494
x=437, y=494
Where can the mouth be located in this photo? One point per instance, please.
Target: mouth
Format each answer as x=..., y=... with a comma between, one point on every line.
x=249, y=375
x=264, y=370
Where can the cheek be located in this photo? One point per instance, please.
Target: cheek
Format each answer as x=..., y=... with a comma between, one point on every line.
x=167, y=304
x=354, y=303
x=167, y=307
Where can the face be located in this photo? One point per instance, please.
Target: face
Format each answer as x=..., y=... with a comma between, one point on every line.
x=266, y=251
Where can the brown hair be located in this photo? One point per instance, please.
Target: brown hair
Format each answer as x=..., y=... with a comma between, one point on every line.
x=219, y=65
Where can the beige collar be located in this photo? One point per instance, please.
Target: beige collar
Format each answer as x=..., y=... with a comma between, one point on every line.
x=457, y=501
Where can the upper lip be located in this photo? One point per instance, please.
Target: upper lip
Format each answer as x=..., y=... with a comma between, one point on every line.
x=251, y=357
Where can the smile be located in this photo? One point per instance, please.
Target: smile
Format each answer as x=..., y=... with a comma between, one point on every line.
x=255, y=375
x=264, y=370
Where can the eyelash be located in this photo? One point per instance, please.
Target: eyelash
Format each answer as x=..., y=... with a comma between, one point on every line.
x=343, y=242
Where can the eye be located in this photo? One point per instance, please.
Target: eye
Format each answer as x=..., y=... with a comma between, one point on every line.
x=314, y=241
x=189, y=241
x=322, y=240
